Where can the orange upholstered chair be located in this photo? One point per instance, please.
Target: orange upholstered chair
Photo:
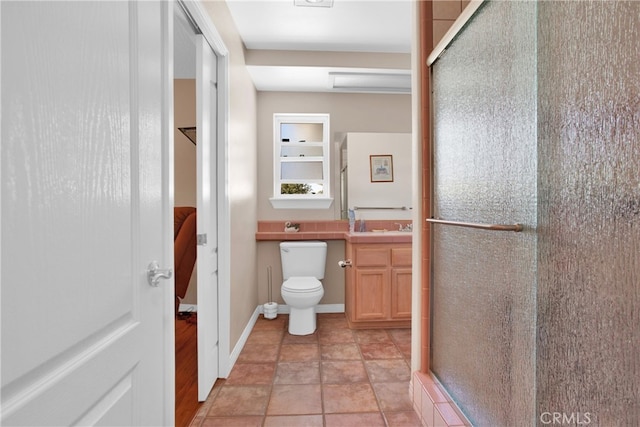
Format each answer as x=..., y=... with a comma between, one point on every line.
x=184, y=235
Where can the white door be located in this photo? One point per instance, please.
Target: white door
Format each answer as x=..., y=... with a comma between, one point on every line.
x=85, y=205
x=206, y=124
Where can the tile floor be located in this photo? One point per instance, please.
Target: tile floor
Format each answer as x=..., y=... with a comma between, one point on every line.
x=335, y=377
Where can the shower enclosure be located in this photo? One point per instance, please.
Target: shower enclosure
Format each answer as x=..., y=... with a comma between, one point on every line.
x=536, y=121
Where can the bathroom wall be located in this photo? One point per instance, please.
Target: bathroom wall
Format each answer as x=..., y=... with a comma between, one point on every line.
x=242, y=173
x=484, y=300
x=365, y=193
x=542, y=324
x=349, y=113
x=333, y=282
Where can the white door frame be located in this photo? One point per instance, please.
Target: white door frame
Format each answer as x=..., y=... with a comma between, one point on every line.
x=208, y=30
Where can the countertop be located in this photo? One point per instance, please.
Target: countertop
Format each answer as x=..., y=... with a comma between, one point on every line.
x=380, y=231
x=356, y=237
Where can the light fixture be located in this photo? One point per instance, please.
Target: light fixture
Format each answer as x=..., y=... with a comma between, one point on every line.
x=396, y=82
x=313, y=3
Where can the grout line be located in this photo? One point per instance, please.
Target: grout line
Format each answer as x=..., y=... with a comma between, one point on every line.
x=355, y=340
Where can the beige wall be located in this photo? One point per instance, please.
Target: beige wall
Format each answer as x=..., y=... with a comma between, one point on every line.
x=184, y=102
x=242, y=173
x=333, y=282
x=362, y=191
x=251, y=162
x=349, y=113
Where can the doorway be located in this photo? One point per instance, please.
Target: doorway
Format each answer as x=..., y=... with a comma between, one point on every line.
x=185, y=199
x=200, y=181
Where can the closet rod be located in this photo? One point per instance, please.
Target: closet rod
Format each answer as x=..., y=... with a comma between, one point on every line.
x=494, y=227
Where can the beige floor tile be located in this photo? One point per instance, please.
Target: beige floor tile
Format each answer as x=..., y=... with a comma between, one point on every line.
x=346, y=351
x=298, y=373
x=346, y=398
x=332, y=323
x=252, y=373
x=343, y=371
x=334, y=377
x=300, y=339
x=279, y=322
x=400, y=336
x=393, y=396
x=265, y=336
x=295, y=400
x=368, y=336
x=335, y=336
x=259, y=353
x=299, y=352
x=380, y=351
x=354, y=420
x=232, y=422
x=388, y=370
x=240, y=400
x=403, y=419
x=293, y=421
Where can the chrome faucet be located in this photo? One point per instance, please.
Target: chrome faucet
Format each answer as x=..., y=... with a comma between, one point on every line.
x=408, y=227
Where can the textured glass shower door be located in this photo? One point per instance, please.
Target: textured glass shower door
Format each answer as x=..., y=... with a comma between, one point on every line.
x=485, y=171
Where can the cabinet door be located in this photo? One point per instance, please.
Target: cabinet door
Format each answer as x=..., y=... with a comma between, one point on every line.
x=401, y=257
x=401, y=293
x=372, y=256
x=371, y=294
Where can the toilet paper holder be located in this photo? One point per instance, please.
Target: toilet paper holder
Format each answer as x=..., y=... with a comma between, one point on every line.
x=345, y=263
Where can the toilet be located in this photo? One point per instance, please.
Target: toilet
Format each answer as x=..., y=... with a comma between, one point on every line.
x=303, y=265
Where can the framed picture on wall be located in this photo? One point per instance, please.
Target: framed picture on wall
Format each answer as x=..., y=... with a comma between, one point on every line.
x=381, y=168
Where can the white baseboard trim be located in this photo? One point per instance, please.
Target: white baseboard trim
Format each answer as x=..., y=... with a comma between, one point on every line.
x=330, y=308
x=233, y=357
x=320, y=308
x=187, y=307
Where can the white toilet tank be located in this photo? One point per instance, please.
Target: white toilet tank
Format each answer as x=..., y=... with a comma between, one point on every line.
x=306, y=259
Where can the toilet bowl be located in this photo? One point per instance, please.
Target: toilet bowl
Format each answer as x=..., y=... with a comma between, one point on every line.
x=302, y=294
x=303, y=265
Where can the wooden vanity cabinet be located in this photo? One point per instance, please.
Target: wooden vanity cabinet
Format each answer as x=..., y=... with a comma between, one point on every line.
x=378, y=285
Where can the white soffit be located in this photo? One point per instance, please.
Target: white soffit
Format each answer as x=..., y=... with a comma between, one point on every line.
x=348, y=27
x=325, y=79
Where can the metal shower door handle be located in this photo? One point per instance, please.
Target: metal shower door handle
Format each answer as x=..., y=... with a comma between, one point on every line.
x=155, y=273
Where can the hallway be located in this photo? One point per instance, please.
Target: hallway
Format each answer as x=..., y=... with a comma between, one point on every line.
x=335, y=377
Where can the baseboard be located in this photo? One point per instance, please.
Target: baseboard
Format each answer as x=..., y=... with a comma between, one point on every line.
x=233, y=357
x=187, y=307
x=330, y=308
x=320, y=308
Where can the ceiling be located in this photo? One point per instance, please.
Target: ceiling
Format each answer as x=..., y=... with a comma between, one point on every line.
x=288, y=45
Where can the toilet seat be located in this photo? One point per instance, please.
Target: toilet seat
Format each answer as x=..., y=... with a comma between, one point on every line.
x=302, y=284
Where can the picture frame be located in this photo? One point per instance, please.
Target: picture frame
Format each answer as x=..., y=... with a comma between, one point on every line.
x=381, y=167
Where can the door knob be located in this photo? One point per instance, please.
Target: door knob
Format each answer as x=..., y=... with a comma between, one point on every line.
x=155, y=273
